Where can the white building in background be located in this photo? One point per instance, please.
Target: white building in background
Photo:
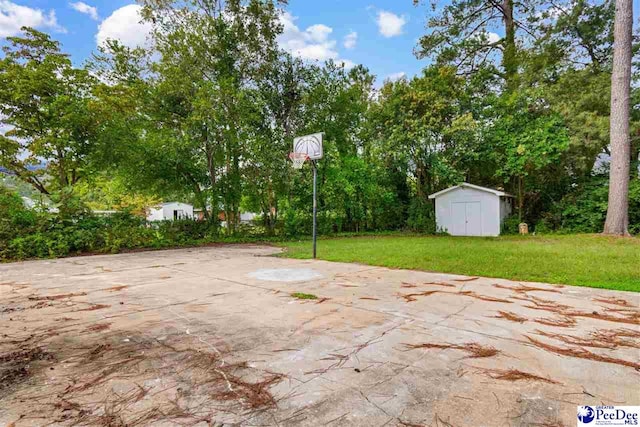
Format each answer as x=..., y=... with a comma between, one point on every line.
x=471, y=210
x=170, y=211
x=28, y=202
x=248, y=217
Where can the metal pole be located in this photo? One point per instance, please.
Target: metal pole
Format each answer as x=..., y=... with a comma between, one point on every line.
x=315, y=207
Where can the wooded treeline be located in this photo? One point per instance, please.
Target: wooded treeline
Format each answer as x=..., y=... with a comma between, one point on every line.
x=208, y=112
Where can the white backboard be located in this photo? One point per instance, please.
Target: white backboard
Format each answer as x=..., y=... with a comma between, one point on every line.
x=309, y=144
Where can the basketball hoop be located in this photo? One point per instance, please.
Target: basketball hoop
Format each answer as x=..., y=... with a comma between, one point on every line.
x=309, y=147
x=298, y=159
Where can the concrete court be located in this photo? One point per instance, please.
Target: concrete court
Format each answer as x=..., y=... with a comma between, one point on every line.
x=199, y=337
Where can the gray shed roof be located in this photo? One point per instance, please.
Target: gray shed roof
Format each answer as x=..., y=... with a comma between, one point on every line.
x=475, y=187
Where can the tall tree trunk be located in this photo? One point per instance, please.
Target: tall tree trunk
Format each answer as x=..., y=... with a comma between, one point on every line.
x=509, y=55
x=520, y=198
x=617, y=222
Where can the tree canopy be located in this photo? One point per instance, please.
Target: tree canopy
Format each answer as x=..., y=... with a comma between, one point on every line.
x=516, y=96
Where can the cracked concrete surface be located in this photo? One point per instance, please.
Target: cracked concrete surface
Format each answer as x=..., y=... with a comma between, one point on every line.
x=195, y=337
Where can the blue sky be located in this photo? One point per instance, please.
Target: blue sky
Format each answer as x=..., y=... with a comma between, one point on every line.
x=378, y=34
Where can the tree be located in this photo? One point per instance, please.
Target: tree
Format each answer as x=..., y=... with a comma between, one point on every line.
x=426, y=128
x=617, y=221
x=212, y=53
x=48, y=105
x=279, y=95
x=336, y=102
x=426, y=123
x=462, y=35
x=523, y=136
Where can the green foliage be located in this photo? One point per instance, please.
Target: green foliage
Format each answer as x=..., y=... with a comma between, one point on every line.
x=208, y=116
x=26, y=234
x=48, y=105
x=584, y=209
x=422, y=217
x=303, y=296
x=528, y=137
x=16, y=219
x=510, y=225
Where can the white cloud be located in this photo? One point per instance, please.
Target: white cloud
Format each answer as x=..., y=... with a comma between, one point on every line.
x=4, y=128
x=487, y=37
x=350, y=40
x=13, y=17
x=318, y=33
x=390, y=24
x=396, y=76
x=86, y=9
x=313, y=43
x=124, y=25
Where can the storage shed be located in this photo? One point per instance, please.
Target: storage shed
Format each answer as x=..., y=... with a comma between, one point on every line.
x=471, y=210
x=170, y=211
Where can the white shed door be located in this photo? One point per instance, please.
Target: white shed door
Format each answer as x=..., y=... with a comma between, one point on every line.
x=474, y=219
x=458, y=219
x=466, y=219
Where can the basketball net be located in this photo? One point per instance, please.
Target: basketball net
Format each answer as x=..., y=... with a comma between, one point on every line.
x=298, y=159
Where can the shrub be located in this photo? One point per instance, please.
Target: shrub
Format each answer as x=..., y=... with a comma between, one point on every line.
x=186, y=230
x=422, y=216
x=584, y=209
x=510, y=225
x=45, y=235
x=16, y=220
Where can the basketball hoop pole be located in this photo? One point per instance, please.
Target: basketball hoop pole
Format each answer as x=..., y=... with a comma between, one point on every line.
x=309, y=147
x=315, y=207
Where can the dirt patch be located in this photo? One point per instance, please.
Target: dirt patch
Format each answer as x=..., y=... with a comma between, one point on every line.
x=521, y=289
x=93, y=307
x=106, y=384
x=614, y=301
x=542, y=304
x=56, y=297
x=510, y=316
x=630, y=316
x=474, y=350
x=560, y=322
x=415, y=285
x=98, y=327
x=115, y=288
x=581, y=353
x=609, y=339
x=412, y=296
x=484, y=297
x=515, y=375
x=446, y=285
x=19, y=365
x=408, y=285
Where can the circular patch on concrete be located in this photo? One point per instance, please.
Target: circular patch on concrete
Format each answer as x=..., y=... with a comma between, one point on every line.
x=285, y=274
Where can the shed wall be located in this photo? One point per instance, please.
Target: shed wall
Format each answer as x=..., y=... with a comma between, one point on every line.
x=490, y=210
x=167, y=210
x=155, y=214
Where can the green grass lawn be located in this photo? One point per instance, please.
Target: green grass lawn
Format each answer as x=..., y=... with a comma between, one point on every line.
x=582, y=260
